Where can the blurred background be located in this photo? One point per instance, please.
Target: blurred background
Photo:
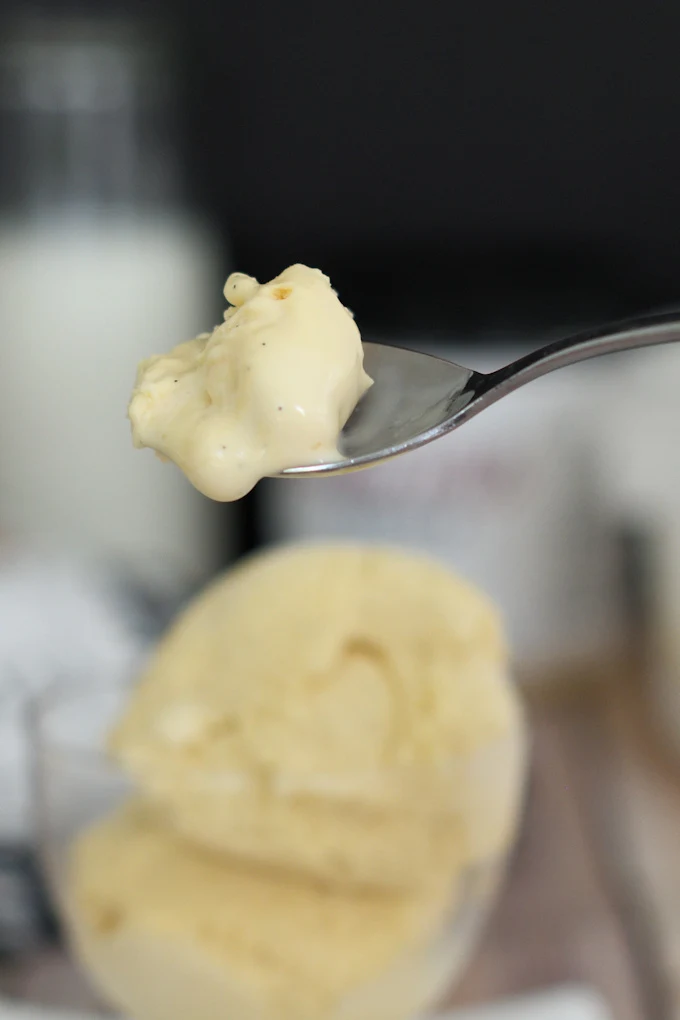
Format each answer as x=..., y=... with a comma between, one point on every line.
x=475, y=179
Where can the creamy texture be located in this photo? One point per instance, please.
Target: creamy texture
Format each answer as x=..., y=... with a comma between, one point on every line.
x=269, y=388
x=330, y=708
x=171, y=932
x=327, y=750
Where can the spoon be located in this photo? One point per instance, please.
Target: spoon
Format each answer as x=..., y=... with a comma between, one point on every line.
x=416, y=397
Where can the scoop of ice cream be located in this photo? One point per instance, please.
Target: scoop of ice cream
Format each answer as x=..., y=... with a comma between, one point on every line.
x=341, y=711
x=270, y=388
x=168, y=931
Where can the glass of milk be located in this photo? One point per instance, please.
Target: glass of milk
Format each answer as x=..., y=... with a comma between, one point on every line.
x=102, y=263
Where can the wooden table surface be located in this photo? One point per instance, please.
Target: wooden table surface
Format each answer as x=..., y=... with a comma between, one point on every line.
x=593, y=893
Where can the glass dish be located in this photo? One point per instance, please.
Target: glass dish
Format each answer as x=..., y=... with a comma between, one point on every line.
x=214, y=970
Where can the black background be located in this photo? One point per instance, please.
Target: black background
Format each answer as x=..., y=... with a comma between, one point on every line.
x=452, y=164
x=519, y=158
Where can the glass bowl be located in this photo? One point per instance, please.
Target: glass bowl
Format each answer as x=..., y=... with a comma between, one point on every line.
x=168, y=927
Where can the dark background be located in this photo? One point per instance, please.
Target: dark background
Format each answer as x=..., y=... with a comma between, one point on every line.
x=474, y=162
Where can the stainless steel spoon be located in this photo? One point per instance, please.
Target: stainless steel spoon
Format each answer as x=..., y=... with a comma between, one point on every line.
x=416, y=397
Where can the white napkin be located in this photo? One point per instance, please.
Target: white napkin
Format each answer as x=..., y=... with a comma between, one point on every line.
x=10, y=1010
x=569, y=1003
x=60, y=619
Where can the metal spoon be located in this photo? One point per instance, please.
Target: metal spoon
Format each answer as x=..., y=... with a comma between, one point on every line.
x=416, y=397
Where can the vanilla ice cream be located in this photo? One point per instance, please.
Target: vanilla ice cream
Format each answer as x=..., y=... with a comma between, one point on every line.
x=269, y=388
x=329, y=759
x=171, y=932
x=335, y=709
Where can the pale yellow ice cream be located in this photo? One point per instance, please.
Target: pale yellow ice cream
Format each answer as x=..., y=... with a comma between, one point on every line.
x=171, y=932
x=329, y=759
x=269, y=388
x=340, y=710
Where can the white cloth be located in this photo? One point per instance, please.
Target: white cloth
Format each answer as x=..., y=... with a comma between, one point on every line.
x=569, y=1003
x=60, y=620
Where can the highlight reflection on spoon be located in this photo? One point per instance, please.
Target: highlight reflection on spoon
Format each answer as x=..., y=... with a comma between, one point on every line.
x=417, y=398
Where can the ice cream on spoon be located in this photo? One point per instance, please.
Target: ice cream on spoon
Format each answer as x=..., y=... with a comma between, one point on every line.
x=269, y=388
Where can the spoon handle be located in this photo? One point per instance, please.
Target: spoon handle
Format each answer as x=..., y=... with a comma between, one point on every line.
x=644, y=332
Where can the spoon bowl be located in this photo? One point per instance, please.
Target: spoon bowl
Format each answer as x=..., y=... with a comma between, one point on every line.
x=416, y=398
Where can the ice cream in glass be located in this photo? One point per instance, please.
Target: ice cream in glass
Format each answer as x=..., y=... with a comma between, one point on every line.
x=325, y=760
